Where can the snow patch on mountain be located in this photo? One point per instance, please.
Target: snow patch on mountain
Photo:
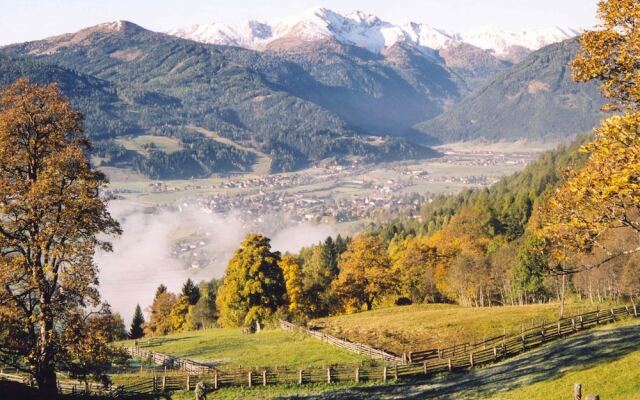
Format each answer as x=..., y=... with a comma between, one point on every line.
x=368, y=31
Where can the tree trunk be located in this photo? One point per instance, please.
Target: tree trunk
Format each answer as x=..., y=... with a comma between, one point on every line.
x=369, y=304
x=562, y=294
x=47, y=382
x=45, y=373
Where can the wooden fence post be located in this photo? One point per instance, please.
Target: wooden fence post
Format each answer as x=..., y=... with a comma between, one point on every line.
x=250, y=378
x=188, y=382
x=215, y=380
x=357, y=375
x=329, y=375
x=384, y=373
x=471, y=359
x=635, y=310
x=395, y=372
x=450, y=365
x=164, y=383
x=264, y=378
x=426, y=369
x=577, y=391
x=573, y=324
x=495, y=353
x=300, y=377
x=581, y=322
x=559, y=330
x=613, y=315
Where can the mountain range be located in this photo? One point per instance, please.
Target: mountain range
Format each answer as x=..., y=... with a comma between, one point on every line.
x=370, y=32
x=305, y=89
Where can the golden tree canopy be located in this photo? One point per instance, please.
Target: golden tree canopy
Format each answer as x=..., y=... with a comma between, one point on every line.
x=611, y=53
x=51, y=214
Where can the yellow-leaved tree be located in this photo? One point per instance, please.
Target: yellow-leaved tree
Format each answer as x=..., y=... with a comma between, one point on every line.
x=292, y=272
x=253, y=287
x=51, y=216
x=365, y=273
x=600, y=201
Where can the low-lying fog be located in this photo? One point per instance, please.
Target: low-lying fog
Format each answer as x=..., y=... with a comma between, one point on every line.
x=146, y=254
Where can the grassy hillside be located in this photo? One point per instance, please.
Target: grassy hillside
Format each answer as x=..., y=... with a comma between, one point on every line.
x=426, y=326
x=612, y=379
x=269, y=348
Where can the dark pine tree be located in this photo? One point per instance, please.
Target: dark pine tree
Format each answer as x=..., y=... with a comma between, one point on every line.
x=191, y=292
x=161, y=289
x=136, y=331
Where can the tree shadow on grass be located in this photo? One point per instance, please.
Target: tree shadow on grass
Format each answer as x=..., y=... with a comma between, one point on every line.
x=538, y=365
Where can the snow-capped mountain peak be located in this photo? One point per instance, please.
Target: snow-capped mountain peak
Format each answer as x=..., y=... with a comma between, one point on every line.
x=500, y=42
x=365, y=30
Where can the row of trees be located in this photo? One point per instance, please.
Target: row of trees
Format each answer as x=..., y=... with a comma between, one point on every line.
x=193, y=308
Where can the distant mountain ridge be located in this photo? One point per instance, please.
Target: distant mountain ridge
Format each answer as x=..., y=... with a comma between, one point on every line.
x=535, y=100
x=290, y=111
x=327, y=87
x=370, y=32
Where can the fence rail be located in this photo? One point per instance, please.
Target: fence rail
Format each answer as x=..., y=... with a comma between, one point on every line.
x=168, y=361
x=66, y=386
x=418, y=364
x=503, y=345
x=358, y=348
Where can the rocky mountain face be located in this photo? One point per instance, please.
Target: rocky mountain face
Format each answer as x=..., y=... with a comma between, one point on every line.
x=537, y=99
x=371, y=33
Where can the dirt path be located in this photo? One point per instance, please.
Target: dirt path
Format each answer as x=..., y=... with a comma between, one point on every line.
x=262, y=165
x=550, y=361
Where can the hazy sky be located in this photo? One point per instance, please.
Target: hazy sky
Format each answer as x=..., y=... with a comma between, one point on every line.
x=23, y=20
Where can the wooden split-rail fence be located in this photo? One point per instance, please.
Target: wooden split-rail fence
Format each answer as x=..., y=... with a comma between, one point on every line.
x=413, y=365
x=503, y=346
x=65, y=385
x=170, y=362
x=489, y=350
x=418, y=364
x=358, y=348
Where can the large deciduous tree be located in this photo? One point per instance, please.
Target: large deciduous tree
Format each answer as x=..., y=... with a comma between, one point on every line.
x=253, y=287
x=51, y=218
x=601, y=200
x=365, y=273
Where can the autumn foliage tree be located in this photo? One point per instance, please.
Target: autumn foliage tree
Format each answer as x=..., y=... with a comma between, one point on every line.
x=603, y=197
x=292, y=273
x=51, y=221
x=365, y=273
x=160, y=321
x=253, y=287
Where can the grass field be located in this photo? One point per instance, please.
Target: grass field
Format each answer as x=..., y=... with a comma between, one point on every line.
x=269, y=348
x=163, y=143
x=604, y=361
x=272, y=392
x=427, y=326
x=612, y=378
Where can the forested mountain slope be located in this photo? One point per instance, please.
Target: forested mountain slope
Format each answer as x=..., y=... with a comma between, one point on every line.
x=258, y=99
x=537, y=99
